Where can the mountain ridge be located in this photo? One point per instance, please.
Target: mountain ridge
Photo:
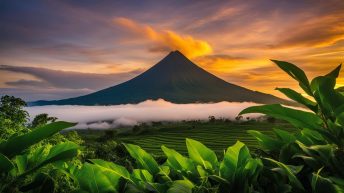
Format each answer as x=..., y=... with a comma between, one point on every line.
x=176, y=79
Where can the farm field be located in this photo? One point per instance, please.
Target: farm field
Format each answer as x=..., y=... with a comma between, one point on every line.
x=217, y=136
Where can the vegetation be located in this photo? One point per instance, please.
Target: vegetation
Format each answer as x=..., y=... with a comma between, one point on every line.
x=216, y=135
x=27, y=155
x=308, y=159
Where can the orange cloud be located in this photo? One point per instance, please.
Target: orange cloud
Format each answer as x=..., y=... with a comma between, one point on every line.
x=167, y=39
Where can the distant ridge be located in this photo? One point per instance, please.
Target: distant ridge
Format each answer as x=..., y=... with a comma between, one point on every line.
x=176, y=79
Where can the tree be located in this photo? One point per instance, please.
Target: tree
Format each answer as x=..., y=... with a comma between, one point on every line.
x=42, y=119
x=12, y=108
x=12, y=117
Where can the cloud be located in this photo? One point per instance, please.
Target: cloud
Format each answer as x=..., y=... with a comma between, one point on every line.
x=28, y=83
x=221, y=62
x=167, y=39
x=104, y=117
x=317, y=31
x=68, y=79
x=36, y=93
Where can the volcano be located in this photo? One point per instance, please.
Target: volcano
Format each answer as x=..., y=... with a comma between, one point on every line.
x=176, y=79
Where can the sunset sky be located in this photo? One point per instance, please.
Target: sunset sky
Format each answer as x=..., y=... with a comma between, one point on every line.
x=58, y=49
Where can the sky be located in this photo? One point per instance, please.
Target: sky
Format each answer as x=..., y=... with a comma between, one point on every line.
x=59, y=49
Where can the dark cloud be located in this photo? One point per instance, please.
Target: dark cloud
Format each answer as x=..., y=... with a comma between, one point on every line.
x=68, y=79
x=33, y=94
x=28, y=83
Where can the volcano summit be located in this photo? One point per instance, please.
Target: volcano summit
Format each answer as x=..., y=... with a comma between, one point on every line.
x=176, y=79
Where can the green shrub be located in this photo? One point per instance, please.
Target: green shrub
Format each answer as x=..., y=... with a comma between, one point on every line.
x=19, y=165
x=317, y=148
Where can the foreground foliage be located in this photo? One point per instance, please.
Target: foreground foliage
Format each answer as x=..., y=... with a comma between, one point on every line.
x=317, y=149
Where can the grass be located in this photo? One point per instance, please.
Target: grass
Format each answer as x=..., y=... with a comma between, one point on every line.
x=218, y=136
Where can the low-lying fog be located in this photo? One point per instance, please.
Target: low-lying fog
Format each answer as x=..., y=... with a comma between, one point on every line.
x=103, y=117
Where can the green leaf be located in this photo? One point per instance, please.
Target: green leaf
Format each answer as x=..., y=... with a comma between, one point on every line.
x=42, y=183
x=321, y=184
x=297, y=97
x=299, y=119
x=144, y=159
x=266, y=142
x=5, y=164
x=21, y=162
x=142, y=175
x=297, y=74
x=285, y=136
x=202, y=173
x=328, y=98
x=289, y=172
x=310, y=137
x=235, y=157
x=322, y=153
x=111, y=167
x=201, y=154
x=340, y=119
x=178, y=162
x=17, y=144
x=181, y=186
x=340, y=89
x=95, y=179
x=60, y=152
x=335, y=73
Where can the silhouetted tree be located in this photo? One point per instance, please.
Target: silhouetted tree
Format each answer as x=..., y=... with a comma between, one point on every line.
x=42, y=119
x=11, y=108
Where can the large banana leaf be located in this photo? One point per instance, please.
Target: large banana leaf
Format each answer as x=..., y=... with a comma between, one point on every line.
x=144, y=159
x=297, y=74
x=112, y=167
x=299, y=119
x=294, y=181
x=266, y=142
x=5, y=164
x=327, y=97
x=95, y=179
x=60, y=152
x=297, y=97
x=321, y=184
x=181, y=186
x=178, y=162
x=42, y=183
x=201, y=154
x=235, y=157
x=17, y=144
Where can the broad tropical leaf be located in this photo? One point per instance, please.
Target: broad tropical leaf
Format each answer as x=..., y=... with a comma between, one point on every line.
x=297, y=97
x=5, y=164
x=95, y=179
x=17, y=144
x=42, y=183
x=201, y=154
x=266, y=142
x=324, y=93
x=335, y=73
x=235, y=157
x=60, y=152
x=321, y=184
x=297, y=74
x=289, y=172
x=177, y=161
x=144, y=159
x=299, y=119
x=112, y=167
x=181, y=186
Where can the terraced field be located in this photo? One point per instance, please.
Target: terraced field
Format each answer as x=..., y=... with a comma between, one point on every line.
x=217, y=136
